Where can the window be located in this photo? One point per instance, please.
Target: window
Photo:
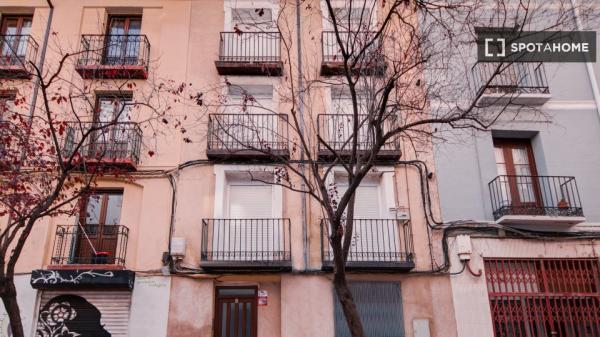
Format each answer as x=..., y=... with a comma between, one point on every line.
x=6, y=105
x=100, y=218
x=544, y=297
x=15, y=31
x=123, y=40
x=252, y=19
x=379, y=305
x=236, y=312
x=516, y=167
x=114, y=139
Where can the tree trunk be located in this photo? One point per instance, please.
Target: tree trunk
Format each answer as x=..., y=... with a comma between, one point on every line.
x=347, y=301
x=8, y=293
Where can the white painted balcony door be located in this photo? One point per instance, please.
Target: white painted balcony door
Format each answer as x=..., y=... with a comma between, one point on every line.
x=251, y=233
x=372, y=233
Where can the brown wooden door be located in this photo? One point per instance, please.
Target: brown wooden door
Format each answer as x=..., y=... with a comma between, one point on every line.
x=236, y=312
x=516, y=164
x=14, y=42
x=123, y=40
x=99, y=228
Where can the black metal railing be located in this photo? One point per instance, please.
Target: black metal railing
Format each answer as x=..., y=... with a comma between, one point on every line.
x=510, y=78
x=246, y=240
x=239, y=132
x=535, y=195
x=373, y=241
x=354, y=42
x=250, y=47
x=90, y=244
x=107, y=142
x=18, y=51
x=337, y=130
x=114, y=50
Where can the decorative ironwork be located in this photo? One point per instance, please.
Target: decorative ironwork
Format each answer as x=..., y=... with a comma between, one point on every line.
x=544, y=297
x=18, y=55
x=116, y=143
x=374, y=242
x=246, y=242
x=358, y=44
x=90, y=244
x=250, y=53
x=247, y=134
x=510, y=78
x=535, y=195
x=337, y=131
x=114, y=56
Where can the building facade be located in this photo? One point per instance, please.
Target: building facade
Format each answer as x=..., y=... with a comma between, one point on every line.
x=528, y=192
x=251, y=258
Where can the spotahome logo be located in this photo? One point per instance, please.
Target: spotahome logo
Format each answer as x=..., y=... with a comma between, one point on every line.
x=496, y=45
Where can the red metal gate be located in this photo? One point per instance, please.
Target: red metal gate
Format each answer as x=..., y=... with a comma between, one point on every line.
x=544, y=297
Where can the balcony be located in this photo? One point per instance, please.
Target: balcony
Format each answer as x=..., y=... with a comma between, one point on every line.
x=89, y=246
x=19, y=54
x=516, y=83
x=247, y=136
x=246, y=244
x=536, y=200
x=371, y=63
x=337, y=131
x=106, y=145
x=114, y=57
x=250, y=53
x=377, y=244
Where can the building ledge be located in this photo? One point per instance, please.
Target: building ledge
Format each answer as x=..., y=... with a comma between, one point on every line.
x=503, y=98
x=375, y=266
x=537, y=220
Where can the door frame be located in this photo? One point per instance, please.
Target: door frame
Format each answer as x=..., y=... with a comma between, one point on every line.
x=100, y=231
x=217, y=319
x=510, y=143
x=126, y=23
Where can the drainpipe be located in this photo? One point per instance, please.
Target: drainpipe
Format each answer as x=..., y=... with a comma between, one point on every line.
x=301, y=126
x=590, y=68
x=41, y=61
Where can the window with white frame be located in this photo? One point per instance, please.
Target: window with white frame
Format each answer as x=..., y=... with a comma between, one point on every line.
x=248, y=211
x=375, y=230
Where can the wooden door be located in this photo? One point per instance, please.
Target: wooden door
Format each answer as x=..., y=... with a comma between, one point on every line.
x=123, y=40
x=99, y=228
x=236, y=312
x=111, y=142
x=516, y=166
x=14, y=43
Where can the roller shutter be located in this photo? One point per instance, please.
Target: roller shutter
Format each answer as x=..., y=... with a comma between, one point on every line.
x=88, y=313
x=379, y=306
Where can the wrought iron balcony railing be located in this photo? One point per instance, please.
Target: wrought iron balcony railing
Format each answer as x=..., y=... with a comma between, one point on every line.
x=518, y=195
x=510, y=81
x=376, y=244
x=90, y=245
x=250, y=53
x=247, y=135
x=337, y=130
x=18, y=54
x=109, y=144
x=114, y=56
x=371, y=61
x=246, y=243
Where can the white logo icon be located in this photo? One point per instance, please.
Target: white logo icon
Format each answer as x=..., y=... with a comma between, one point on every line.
x=501, y=49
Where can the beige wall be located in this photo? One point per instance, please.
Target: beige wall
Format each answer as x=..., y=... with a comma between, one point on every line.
x=184, y=38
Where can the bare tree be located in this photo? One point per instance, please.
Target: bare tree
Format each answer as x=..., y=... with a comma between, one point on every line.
x=53, y=149
x=405, y=71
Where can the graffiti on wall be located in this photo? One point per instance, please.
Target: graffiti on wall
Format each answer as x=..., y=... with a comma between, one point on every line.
x=70, y=316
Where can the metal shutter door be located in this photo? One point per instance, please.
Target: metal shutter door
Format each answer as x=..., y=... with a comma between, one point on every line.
x=113, y=305
x=380, y=307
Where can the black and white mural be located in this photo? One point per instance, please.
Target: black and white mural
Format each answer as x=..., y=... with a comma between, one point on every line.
x=70, y=316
